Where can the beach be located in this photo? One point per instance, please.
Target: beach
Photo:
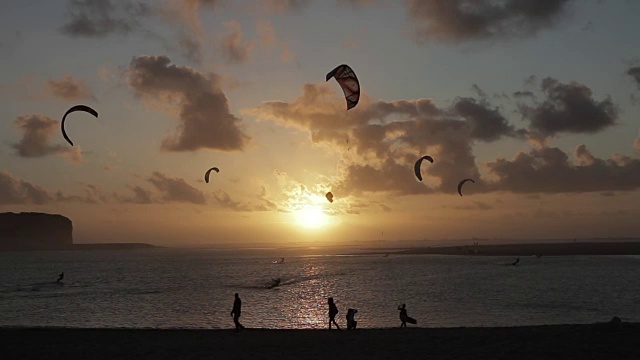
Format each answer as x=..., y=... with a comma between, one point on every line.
x=590, y=341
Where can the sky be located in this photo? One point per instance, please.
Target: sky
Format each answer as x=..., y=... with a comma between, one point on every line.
x=538, y=102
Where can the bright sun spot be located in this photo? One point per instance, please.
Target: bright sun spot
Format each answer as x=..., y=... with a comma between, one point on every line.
x=311, y=217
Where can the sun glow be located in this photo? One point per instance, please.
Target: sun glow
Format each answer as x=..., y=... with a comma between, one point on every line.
x=311, y=217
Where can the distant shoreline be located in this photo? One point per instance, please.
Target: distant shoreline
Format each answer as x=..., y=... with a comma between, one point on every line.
x=595, y=341
x=528, y=249
x=89, y=247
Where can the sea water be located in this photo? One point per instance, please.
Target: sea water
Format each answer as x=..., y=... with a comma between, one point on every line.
x=172, y=288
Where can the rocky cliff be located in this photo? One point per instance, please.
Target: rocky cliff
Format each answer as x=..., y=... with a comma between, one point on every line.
x=34, y=231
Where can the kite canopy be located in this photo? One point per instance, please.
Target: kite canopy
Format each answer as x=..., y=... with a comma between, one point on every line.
x=329, y=196
x=416, y=167
x=462, y=183
x=349, y=83
x=206, y=175
x=84, y=108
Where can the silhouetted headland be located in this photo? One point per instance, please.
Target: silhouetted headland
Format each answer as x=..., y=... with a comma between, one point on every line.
x=589, y=341
x=538, y=250
x=40, y=231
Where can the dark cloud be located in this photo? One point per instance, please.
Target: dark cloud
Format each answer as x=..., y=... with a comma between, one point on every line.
x=37, y=131
x=569, y=108
x=176, y=189
x=69, y=88
x=205, y=120
x=523, y=94
x=466, y=20
x=548, y=170
x=387, y=137
x=634, y=72
x=15, y=191
x=98, y=18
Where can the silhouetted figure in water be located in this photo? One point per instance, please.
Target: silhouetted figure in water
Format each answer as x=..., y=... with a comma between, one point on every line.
x=351, y=321
x=516, y=262
x=333, y=311
x=60, y=277
x=237, y=309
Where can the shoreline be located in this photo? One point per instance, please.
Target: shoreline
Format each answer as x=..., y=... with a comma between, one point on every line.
x=528, y=250
x=600, y=341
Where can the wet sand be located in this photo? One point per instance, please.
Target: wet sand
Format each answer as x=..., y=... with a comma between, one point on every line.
x=595, y=341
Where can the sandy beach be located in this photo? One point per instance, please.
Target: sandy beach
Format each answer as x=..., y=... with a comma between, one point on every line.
x=594, y=341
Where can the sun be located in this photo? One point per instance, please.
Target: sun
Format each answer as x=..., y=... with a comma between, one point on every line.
x=311, y=217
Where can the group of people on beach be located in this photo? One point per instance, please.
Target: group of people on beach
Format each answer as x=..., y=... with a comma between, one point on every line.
x=333, y=311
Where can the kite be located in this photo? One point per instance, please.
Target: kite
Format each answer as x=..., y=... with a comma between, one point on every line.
x=416, y=167
x=462, y=183
x=206, y=175
x=329, y=196
x=349, y=83
x=73, y=109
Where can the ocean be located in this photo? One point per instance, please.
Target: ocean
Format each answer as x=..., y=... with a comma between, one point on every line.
x=174, y=288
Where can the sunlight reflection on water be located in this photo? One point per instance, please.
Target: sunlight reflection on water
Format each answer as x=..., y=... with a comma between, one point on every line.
x=194, y=289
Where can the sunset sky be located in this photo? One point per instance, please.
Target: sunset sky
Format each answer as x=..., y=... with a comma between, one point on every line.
x=537, y=101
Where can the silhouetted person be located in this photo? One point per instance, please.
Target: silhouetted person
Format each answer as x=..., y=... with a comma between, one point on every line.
x=516, y=262
x=237, y=310
x=60, y=277
x=281, y=260
x=333, y=311
x=403, y=315
x=351, y=321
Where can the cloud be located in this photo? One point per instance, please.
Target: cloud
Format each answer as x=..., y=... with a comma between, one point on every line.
x=266, y=33
x=634, y=72
x=184, y=16
x=282, y=6
x=69, y=88
x=99, y=18
x=15, y=191
x=263, y=203
x=175, y=189
x=569, y=108
x=548, y=170
x=356, y=3
x=467, y=20
x=140, y=196
x=37, y=131
x=385, y=138
x=205, y=120
x=234, y=48
x=93, y=195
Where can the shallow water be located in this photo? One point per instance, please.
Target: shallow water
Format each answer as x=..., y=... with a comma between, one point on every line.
x=194, y=289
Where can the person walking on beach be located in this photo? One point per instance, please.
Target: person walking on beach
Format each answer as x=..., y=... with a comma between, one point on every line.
x=60, y=277
x=404, y=317
x=333, y=311
x=235, y=312
x=351, y=320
